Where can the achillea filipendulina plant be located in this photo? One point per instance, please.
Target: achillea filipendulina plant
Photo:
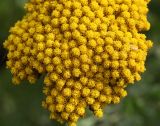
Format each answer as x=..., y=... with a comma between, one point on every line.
x=90, y=50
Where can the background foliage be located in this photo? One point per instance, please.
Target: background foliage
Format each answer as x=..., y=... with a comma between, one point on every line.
x=21, y=105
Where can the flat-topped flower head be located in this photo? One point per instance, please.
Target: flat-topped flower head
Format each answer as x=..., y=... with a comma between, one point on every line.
x=89, y=51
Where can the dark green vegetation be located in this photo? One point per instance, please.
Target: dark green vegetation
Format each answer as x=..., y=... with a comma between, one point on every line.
x=21, y=105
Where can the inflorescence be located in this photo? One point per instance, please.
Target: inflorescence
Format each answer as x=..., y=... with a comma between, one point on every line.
x=89, y=51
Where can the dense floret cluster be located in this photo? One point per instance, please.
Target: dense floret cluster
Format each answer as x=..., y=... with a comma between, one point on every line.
x=89, y=50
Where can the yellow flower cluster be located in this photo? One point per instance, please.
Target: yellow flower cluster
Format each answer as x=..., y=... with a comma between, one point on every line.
x=90, y=50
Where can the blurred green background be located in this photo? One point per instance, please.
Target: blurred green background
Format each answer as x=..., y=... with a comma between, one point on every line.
x=21, y=105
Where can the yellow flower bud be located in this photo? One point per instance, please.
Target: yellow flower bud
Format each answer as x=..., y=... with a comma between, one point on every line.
x=87, y=50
